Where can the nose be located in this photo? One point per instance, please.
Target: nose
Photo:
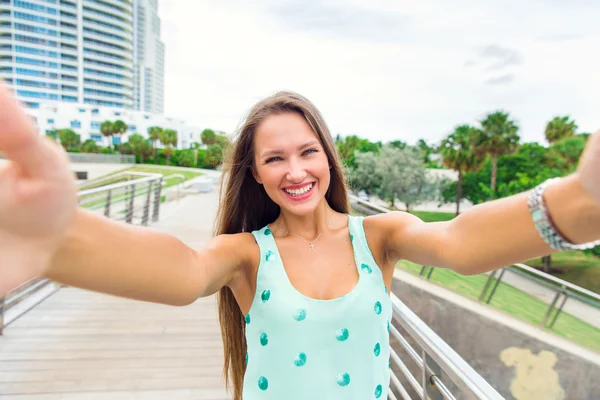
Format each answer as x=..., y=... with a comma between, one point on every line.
x=296, y=172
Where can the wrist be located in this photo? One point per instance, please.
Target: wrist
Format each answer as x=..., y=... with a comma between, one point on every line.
x=575, y=213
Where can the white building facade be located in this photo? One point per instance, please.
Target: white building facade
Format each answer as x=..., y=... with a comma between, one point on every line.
x=85, y=120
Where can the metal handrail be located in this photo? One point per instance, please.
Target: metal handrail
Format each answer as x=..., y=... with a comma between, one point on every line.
x=146, y=187
x=437, y=356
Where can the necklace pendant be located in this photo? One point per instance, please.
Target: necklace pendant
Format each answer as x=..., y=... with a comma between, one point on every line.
x=311, y=245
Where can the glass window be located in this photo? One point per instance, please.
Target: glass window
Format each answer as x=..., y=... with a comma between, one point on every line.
x=75, y=124
x=50, y=120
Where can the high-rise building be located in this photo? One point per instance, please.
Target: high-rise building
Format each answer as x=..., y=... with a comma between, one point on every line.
x=78, y=51
x=96, y=52
x=149, y=54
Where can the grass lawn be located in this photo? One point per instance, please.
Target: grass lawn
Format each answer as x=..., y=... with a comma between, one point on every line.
x=514, y=302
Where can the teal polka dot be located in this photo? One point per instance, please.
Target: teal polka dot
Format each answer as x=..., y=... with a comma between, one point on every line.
x=377, y=350
x=390, y=363
x=248, y=318
x=388, y=326
x=351, y=237
x=300, y=314
x=378, y=391
x=246, y=358
x=266, y=294
x=366, y=268
x=377, y=308
x=385, y=289
x=300, y=359
x=267, y=231
x=342, y=334
x=264, y=339
x=343, y=379
x=270, y=255
x=263, y=383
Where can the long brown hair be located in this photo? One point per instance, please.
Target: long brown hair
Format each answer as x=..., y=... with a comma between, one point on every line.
x=245, y=207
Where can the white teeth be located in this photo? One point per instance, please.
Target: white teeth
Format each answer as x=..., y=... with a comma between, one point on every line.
x=298, y=192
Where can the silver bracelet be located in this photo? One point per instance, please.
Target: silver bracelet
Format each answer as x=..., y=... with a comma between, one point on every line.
x=544, y=224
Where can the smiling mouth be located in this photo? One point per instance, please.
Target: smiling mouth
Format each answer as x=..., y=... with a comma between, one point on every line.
x=301, y=191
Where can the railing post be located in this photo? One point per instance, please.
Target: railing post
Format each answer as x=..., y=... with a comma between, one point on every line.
x=1, y=314
x=496, y=284
x=107, y=205
x=129, y=211
x=157, y=200
x=146, y=214
x=431, y=368
x=551, y=307
x=562, y=304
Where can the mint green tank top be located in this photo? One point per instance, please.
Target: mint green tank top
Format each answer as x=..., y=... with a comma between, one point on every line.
x=310, y=349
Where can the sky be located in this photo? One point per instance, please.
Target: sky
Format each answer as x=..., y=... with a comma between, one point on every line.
x=385, y=69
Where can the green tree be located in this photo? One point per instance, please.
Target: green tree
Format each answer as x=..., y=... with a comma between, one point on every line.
x=90, y=146
x=119, y=128
x=350, y=144
x=214, y=155
x=403, y=176
x=168, y=138
x=457, y=153
x=365, y=177
x=559, y=128
x=140, y=146
x=208, y=137
x=68, y=139
x=154, y=133
x=196, y=147
x=107, y=130
x=498, y=136
x=570, y=149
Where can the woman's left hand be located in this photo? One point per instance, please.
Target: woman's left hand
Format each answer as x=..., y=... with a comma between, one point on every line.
x=588, y=169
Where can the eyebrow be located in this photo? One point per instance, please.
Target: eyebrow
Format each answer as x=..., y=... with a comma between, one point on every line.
x=278, y=152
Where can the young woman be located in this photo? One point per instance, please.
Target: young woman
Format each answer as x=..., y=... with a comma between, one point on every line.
x=303, y=286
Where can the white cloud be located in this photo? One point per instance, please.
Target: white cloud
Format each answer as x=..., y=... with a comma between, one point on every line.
x=387, y=69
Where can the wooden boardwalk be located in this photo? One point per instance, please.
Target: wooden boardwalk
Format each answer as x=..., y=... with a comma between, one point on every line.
x=79, y=345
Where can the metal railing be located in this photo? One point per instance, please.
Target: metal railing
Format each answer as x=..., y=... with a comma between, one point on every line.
x=436, y=362
x=98, y=158
x=134, y=201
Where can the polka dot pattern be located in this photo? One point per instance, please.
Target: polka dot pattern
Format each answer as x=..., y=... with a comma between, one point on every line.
x=343, y=341
x=342, y=334
x=343, y=379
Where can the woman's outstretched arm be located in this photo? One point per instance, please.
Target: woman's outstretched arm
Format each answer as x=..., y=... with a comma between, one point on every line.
x=43, y=233
x=129, y=261
x=501, y=232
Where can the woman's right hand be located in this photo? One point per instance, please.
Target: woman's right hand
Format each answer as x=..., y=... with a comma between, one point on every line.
x=38, y=197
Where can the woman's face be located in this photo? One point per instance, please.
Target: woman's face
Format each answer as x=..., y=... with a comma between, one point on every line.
x=290, y=163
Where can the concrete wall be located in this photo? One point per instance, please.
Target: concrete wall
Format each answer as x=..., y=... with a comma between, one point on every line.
x=521, y=361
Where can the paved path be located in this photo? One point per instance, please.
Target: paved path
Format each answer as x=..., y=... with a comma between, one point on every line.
x=79, y=345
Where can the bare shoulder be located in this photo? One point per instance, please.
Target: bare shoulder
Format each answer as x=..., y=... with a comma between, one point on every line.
x=227, y=259
x=384, y=229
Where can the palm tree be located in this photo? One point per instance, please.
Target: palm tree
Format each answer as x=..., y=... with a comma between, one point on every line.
x=458, y=153
x=559, y=128
x=107, y=130
x=119, y=128
x=154, y=134
x=196, y=147
x=497, y=137
x=168, y=138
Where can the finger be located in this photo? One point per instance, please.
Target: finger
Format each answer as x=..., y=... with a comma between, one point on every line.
x=20, y=141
